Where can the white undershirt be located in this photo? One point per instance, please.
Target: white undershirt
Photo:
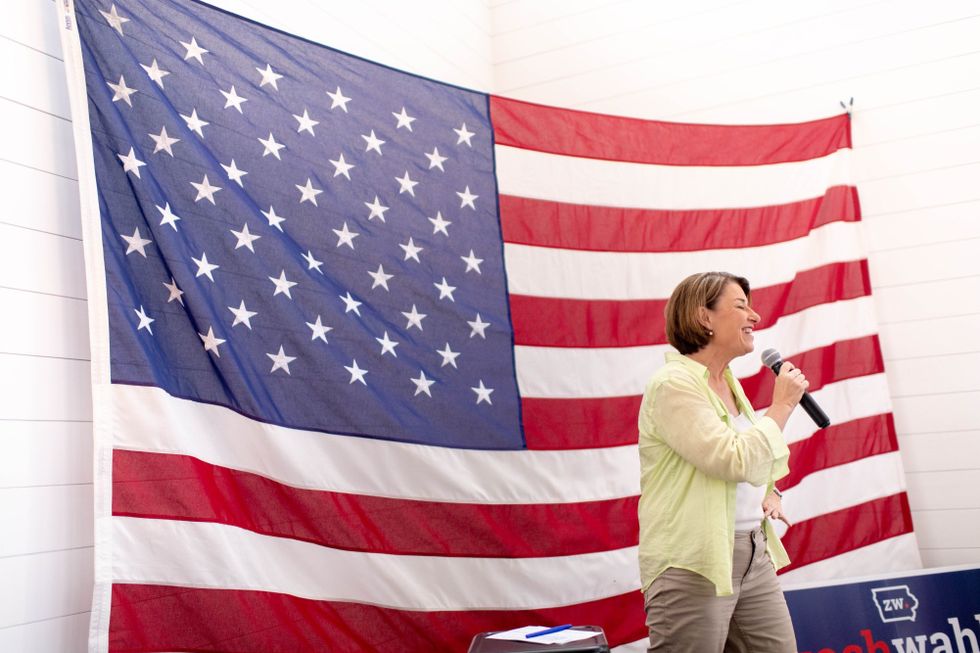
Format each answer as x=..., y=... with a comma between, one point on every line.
x=748, y=498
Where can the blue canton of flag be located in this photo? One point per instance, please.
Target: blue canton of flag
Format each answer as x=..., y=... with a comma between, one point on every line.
x=305, y=237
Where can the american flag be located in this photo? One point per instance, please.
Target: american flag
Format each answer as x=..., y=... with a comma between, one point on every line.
x=368, y=348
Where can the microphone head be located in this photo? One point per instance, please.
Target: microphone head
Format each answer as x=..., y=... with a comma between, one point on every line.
x=770, y=357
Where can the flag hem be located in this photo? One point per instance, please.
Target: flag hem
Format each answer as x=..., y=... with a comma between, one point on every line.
x=98, y=320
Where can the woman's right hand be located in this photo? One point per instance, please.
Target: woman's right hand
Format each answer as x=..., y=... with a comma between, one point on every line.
x=789, y=389
x=790, y=386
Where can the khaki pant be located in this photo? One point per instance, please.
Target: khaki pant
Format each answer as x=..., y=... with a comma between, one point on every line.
x=685, y=616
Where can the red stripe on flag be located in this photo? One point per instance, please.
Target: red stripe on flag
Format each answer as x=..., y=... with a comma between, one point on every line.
x=559, y=322
x=839, y=444
x=838, y=532
x=612, y=229
x=596, y=422
x=844, y=359
x=597, y=136
x=580, y=423
x=163, y=618
x=163, y=486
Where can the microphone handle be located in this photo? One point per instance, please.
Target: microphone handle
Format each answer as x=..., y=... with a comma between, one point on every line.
x=814, y=411
x=809, y=405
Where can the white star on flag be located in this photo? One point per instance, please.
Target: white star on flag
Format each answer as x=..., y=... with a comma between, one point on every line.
x=168, y=216
x=464, y=135
x=404, y=120
x=356, y=373
x=482, y=393
x=472, y=262
x=414, y=318
x=411, y=250
x=280, y=361
x=422, y=384
x=210, y=342
x=205, y=190
x=194, y=123
x=406, y=184
x=319, y=329
x=387, y=345
x=341, y=167
x=122, y=92
x=175, y=292
x=435, y=160
x=479, y=327
x=195, y=51
x=345, y=236
x=269, y=77
x=245, y=238
x=234, y=174
x=306, y=123
x=274, y=220
x=380, y=278
x=136, y=243
x=439, y=224
x=204, y=268
x=377, y=209
x=145, y=320
x=233, y=99
x=282, y=285
x=448, y=356
x=114, y=19
x=308, y=192
x=373, y=143
x=311, y=262
x=350, y=304
x=445, y=290
x=466, y=198
x=338, y=100
x=131, y=163
x=154, y=72
x=163, y=141
x=271, y=146
x=242, y=315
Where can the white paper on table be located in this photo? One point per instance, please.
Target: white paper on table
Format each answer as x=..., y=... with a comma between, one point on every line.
x=561, y=637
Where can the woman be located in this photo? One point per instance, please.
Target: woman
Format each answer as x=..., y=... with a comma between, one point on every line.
x=708, y=554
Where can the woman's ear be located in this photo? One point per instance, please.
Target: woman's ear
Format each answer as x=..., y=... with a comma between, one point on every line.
x=704, y=318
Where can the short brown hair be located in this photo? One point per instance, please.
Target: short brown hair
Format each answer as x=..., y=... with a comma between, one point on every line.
x=684, y=330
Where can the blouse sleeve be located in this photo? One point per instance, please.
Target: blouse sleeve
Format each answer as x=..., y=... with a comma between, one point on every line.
x=686, y=421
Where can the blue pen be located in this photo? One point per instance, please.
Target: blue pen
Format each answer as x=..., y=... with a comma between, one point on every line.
x=548, y=631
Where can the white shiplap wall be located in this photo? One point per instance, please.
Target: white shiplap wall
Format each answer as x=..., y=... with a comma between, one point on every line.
x=914, y=71
x=45, y=413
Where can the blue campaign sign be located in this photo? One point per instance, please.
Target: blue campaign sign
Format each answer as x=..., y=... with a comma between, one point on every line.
x=931, y=612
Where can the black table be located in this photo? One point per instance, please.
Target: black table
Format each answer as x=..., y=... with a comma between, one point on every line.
x=596, y=644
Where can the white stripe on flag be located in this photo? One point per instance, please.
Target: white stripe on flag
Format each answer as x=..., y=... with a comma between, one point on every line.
x=843, y=486
x=146, y=419
x=901, y=552
x=597, y=182
x=639, y=646
x=580, y=274
x=571, y=372
x=206, y=555
x=846, y=400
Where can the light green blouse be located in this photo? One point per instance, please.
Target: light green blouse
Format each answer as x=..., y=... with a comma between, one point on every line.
x=691, y=459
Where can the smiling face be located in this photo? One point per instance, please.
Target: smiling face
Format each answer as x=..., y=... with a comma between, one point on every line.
x=733, y=321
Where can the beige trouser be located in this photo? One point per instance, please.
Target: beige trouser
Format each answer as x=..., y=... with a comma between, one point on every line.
x=685, y=616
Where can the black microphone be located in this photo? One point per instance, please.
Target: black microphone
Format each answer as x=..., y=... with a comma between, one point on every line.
x=772, y=359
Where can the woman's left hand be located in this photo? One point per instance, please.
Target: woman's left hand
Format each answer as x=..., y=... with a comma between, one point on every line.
x=772, y=507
